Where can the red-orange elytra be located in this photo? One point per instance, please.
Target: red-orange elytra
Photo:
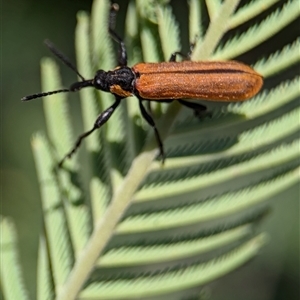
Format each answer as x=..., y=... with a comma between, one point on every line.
x=166, y=82
x=211, y=80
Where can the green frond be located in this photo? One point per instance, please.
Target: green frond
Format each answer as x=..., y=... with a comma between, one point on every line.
x=102, y=49
x=150, y=51
x=168, y=32
x=249, y=141
x=195, y=32
x=12, y=285
x=213, y=208
x=99, y=195
x=148, y=8
x=277, y=157
x=267, y=134
x=281, y=95
x=45, y=288
x=176, y=280
x=124, y=226
x=257, y=34
x=213, y=7
x=56, y=110
x=58, y=238
x=72, y=190
x=280, y=60
x=215, y=31
x=249, y=11
x=89, y=106
x=132, y=35
x=140, y=255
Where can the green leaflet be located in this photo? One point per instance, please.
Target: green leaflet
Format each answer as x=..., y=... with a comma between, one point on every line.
x=12, y=285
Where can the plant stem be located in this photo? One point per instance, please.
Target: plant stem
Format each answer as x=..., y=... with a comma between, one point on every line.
x=105, y=226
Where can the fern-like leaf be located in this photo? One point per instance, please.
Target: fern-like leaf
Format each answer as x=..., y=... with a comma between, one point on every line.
x=12, y=285
x=132, y=228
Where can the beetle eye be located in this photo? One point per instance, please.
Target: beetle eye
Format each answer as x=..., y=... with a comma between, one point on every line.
x=100, y=80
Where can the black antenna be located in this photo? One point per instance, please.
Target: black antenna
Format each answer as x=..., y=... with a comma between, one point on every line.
x=73, y=88
x=112, y=16
x=62, y=57
x=39, y=95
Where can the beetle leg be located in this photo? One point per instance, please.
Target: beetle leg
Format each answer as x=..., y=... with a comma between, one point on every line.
x=101, y=119
x=175, y=54
x=122, y=53
x=200, y=110
x=192, y=47
x=150, y=121
x=185, y=56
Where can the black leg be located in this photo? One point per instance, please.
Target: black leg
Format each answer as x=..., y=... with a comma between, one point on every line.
x=185, y=56
x=192, y=46
x=101, y=119
x=122, y=53
x=150, y=121
x=175, y=54
x=200, y=110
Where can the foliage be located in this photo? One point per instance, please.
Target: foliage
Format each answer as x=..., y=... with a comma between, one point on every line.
x=132, y=228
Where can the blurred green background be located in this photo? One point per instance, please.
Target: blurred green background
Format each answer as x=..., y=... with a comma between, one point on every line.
x=274, y=274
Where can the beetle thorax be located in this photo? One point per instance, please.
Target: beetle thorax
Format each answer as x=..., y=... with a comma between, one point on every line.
x=119, y=81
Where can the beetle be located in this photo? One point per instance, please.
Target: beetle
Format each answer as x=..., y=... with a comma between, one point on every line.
x=164, y=81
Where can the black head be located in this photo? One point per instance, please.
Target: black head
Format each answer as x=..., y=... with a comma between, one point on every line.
x=101, y=81
x=121, y=77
